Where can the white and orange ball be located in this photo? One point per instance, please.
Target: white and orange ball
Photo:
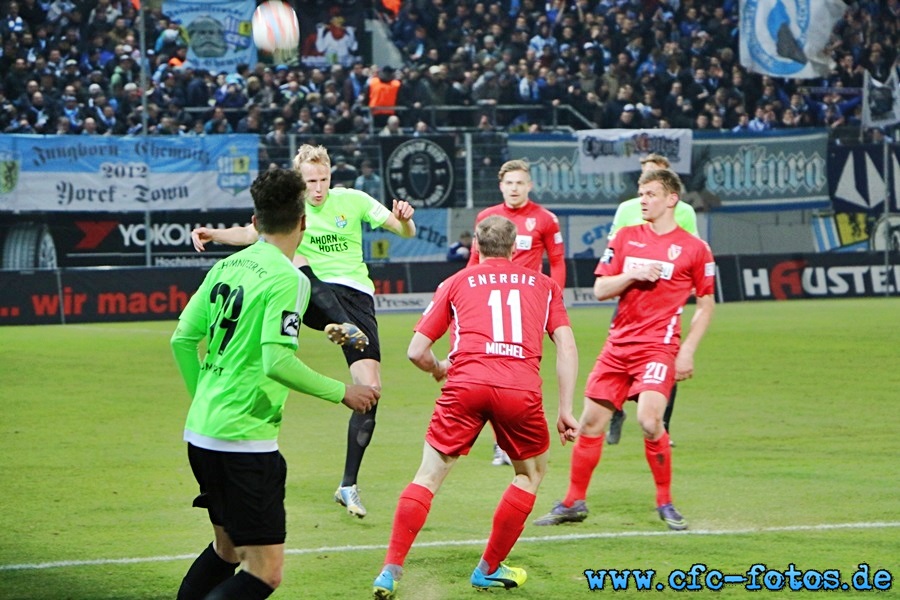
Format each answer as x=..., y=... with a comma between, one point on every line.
x=275, y=26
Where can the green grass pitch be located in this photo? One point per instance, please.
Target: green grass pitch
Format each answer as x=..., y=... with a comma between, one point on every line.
x=787, y=452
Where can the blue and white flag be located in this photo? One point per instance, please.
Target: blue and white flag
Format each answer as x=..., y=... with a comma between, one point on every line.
x=788, y=38
x=217, y=32
x=881, y=101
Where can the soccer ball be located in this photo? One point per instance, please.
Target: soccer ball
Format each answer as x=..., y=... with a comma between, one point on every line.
x=275, y=26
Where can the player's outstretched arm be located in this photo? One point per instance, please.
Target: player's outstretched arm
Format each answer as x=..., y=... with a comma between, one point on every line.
x=401, y=219
x=232, y=236
x=566, y=375
x=421, y=355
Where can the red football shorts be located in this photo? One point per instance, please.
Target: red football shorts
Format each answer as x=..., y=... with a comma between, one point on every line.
x=463, y=409
x=623, y=371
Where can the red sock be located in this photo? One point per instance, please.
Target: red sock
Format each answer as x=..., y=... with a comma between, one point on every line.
x=659, y=457
x=409, y=518
x=509, y=521
x=585, y=457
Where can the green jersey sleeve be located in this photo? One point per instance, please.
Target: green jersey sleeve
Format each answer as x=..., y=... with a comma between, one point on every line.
x=686, y=217
x=627, y=213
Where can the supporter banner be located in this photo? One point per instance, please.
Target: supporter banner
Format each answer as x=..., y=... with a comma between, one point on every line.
x=859, y=185
x=89, y=173
x=558, y=180
x=330, y=32
x=881, y=101
x=751, y=172
x=775, y=170
x=611, y=150
x=859, y=179
x=429, y=244
x=419, y=169
x=217, y=33
x=788, y=38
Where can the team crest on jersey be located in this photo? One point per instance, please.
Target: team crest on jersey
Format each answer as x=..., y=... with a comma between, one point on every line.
x=674, y=251
x=340, y=221
x=290, y=323
x=530, y=223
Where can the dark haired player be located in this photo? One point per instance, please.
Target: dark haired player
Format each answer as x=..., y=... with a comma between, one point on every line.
x=248, y=308
x=331, y=256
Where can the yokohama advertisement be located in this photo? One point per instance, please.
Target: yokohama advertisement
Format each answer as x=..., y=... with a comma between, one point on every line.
x=115, y=239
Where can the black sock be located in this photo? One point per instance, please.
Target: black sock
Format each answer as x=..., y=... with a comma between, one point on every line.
x=323, y=297
x=667, y=416
x=359, y=434
x=242, y=586
x=208, y=571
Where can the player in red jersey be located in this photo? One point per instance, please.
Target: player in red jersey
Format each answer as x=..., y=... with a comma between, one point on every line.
x=537, y=229
x=497, y=313
x=537, y=233
x=653, y=269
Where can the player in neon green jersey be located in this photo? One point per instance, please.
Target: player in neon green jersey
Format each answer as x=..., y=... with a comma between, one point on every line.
x=629, y=213
x=248, y=308
x=331, y=255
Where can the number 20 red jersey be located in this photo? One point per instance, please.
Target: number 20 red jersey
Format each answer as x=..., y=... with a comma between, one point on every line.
x=651, y=312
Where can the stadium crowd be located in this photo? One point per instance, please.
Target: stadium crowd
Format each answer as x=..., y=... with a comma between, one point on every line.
x=75, y=68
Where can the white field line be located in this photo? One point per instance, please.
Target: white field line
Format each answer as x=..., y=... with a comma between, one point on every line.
x=450, y=543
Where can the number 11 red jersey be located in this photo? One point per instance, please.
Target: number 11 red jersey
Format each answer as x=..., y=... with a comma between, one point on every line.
x=497, y=314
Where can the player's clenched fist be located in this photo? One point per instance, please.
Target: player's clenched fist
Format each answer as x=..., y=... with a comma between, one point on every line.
x=403, y=210
x=361, y=398
x=651, y=272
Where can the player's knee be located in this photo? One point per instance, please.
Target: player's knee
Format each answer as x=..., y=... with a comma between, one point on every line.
x=651, y=426
x=273, y=580
x=592, y=423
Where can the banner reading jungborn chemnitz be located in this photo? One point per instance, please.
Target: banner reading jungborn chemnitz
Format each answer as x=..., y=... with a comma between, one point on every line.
x=776, y=170
x=85, y=173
